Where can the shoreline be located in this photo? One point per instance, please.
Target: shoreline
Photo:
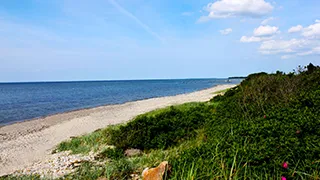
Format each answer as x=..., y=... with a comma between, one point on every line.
x=93, y=107
x=24, y=143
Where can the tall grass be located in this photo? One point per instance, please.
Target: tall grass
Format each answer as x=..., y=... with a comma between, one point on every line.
x=86, y=143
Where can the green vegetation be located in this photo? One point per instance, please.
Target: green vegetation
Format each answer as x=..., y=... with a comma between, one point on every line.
x=169, y=120
x=221, y=91
x=247, y=133
x=162, y=130
x=265, y=121
x=10, y=177
x=85, y=144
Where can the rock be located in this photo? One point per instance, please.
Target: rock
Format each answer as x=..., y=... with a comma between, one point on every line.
x=76, y=165
x=133, y=152
x=102, y=178
x=155, y=173
x=134, y=176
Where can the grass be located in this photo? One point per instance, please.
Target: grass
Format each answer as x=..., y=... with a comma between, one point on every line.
x=221, y=91
x=86, y=143
x=181, y=107
x=26, y=177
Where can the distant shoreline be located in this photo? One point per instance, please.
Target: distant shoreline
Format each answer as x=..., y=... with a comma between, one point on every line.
x=120, y=80
x=29, y=141
x=237, y=77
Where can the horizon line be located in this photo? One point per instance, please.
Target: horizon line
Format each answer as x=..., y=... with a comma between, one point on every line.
x=66, y=81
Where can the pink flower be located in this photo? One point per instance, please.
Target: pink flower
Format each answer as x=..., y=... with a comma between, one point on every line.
x=283, y=178
x=285, y=165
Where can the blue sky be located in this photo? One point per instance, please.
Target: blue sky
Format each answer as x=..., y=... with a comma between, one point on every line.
x=148, y=39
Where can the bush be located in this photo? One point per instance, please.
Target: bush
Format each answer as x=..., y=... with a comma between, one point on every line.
x=162, y=130
x=265, y=121
x=111, y=153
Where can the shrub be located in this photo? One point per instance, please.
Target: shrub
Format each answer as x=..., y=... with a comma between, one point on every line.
x=164, y=129
x=111, y=153
x=268, y=120
x=85, y=144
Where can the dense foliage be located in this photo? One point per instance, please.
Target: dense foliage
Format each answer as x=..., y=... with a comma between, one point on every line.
x=267, y=120
x=162, y=130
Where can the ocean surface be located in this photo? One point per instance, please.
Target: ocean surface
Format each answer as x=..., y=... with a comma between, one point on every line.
x=24, y=101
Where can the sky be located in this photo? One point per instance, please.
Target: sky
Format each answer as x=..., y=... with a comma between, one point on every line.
x=62, y=40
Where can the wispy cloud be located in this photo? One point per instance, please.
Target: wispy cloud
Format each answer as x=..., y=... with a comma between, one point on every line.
x=133, y=17
x=187, y=13
x=226, y=31
x=266, y=21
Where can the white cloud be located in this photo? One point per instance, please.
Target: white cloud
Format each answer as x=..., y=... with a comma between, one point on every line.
x=262, y=33
x=266, y=21
x=203, y=19
x=305, y=53
x=283, y=46
x=312, y=31
x=315, y=50
x=250, y=39
x=265, y=31
x=233, y=8
x=307, y=44
x=291, y=48
x=226, y=31
x=287, y=56
x=295, y=29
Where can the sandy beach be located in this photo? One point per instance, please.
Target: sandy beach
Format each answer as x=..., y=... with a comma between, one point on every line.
x=24, y=143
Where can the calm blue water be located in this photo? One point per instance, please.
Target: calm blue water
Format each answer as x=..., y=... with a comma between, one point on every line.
x=22, y=101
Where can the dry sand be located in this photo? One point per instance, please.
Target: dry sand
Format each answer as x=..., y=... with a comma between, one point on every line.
x=24, y=143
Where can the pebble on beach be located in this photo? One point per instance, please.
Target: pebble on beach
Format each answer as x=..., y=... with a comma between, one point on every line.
x=56, y=166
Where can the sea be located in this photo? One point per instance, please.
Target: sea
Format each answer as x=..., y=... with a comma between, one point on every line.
x=25, y=101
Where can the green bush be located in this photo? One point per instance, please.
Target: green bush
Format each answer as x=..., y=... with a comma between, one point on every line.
x=162, y=130
x=111, y=153
x=265, y=121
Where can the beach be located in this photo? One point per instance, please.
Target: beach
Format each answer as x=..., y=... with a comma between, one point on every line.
x=27, y=142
